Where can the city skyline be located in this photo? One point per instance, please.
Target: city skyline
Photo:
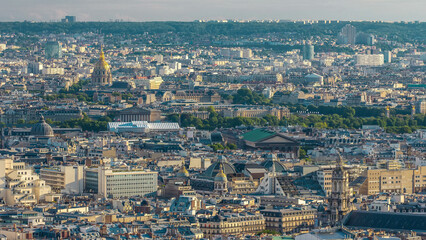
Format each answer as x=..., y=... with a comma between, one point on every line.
x=189, y=10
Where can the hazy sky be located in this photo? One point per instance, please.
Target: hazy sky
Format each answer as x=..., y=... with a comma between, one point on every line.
x=188, y=10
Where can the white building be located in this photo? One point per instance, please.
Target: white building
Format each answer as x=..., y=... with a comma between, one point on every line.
x=152, y=83
x=19, y=184
x=64, y=179
x=119, y=183
x=247, y=53
x=53, y=71
x=142, y=126
x=369, y=59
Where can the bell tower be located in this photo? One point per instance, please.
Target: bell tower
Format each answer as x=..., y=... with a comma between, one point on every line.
x=339, y=200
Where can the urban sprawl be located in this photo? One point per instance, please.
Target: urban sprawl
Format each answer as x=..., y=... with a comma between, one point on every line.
x=304, y=130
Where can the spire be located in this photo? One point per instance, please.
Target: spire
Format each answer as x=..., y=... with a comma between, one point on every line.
x=221, y=168
x=339, y=160
x=102, y=55
x=274, y=171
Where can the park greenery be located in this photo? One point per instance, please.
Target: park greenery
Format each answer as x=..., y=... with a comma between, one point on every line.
x=74, y=91
x=246, y=96
x=218, y=146
x=85, y=123
x=344, y=120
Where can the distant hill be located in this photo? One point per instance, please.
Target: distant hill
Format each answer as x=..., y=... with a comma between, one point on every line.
x=402, y=32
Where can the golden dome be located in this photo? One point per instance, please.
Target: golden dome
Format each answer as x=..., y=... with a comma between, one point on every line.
x=102, y=64
x=183, y=172
x=101, y=74
x=220, y=176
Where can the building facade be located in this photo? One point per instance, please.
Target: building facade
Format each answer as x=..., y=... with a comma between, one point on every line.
x=139, y=114
x=119, y=183
x=291, y=220
x=394, y=181
x=64, y=179
x=19, y=184
x=232, y=224
x=280, y=113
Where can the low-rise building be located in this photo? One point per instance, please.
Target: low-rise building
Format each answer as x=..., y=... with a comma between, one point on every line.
x=232, y=224
x=397, y=181
x=291, y=220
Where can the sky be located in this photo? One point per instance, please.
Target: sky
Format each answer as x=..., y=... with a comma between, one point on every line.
x=189, y=10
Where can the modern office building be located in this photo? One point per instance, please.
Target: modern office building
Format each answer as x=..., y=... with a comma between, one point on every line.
x=53, y=50
x=365, y=38
x=421, y=106
x=69, y=19
x=347, y=35
x=369, y=59
x=308, y=52
x=64, y=179
x=35, y=67
x=120, y=183
x=387, y=56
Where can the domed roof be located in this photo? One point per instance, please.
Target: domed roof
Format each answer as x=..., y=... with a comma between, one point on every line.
x=272, y=161
x=214, y=169
x=183, y=172
x=220, y=176
x=102, y=64
x=42, y=129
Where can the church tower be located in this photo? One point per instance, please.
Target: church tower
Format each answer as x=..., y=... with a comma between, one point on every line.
x=339, y=200
x=101, y=75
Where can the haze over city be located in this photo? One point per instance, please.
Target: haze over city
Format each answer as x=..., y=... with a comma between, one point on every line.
x=189, y=10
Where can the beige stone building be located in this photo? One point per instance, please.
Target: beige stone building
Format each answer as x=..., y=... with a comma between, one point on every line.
x=257, y=112
x=324, y=180
x=398, y=181
x=232, y=224
x=290, y=220
x=19, y=184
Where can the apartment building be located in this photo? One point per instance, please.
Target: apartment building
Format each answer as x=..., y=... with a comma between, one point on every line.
x=232, y=224
x=291, y=220
x=324, y=179
x=20, y=184
x=397, y=181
